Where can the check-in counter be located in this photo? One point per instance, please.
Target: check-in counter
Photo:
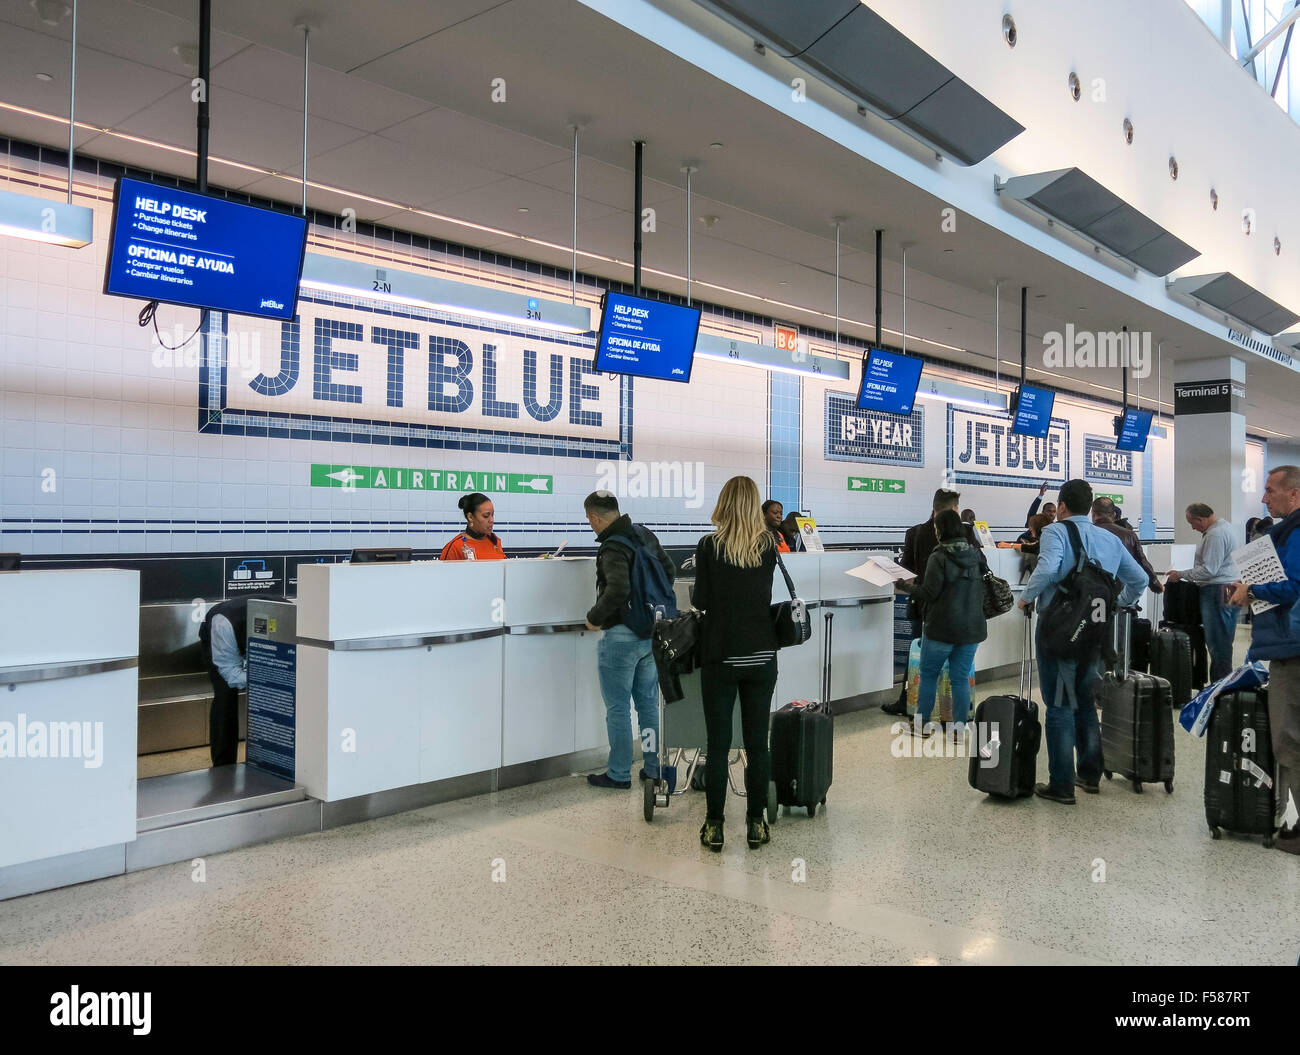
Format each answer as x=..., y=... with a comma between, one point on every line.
x=69, y=651
x=399, y=674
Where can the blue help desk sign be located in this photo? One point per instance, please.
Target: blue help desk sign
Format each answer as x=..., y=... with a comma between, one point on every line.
x=647, y=338
x=889, y=382
x=199, y=251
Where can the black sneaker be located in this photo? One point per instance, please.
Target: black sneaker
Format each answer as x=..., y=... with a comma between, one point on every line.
x=1091, y=789
x=644, y=776
x=604, y=780
x=711, y=835
x=1044, y=791
x=756, y=832
x=898, y=708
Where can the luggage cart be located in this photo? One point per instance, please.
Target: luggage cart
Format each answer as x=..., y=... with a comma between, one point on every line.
x=682, y=725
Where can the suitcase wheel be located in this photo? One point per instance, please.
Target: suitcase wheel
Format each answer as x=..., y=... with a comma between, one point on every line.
x=823, y=802
x=1169, y=787
x=1268, y=842
x=1137, y=787
x=1109, y=774
x=773, y=808
x=812, y=810
x=1215, y=833
x=648, y=800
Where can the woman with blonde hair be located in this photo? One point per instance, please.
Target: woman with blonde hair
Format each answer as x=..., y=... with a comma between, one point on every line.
x=733, y=588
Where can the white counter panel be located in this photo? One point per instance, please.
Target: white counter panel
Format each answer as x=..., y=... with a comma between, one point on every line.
x=589, y=717
x=862, y=648
x=338, y=602
x=799, y=669
x=539, y=695
x=59, y=805
x=64, y=616
x=541, y=592
x=460, y=709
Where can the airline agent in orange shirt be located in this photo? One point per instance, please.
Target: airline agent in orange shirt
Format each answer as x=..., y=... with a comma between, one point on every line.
x=476, y=542
x=773, y=514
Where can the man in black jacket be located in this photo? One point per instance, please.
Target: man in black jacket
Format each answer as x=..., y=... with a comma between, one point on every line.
x=625, y=661
x=918, y=544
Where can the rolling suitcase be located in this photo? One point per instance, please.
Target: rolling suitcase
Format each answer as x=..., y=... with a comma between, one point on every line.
x=1200, y=656
x=1140, y=645
x=1171, y=659
x=1137, y=722
x=1008, y=734
x=1182, y=603
x=1239, y=790
x=803, y=747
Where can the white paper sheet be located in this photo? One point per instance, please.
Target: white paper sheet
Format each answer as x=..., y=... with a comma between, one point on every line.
x=1257, y=562
x=881, y=571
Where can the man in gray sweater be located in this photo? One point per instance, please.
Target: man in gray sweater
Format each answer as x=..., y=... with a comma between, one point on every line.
x=1212, y=571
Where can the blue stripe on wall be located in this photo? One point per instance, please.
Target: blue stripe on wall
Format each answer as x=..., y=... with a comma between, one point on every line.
x=1147, y=525
x=783, y=482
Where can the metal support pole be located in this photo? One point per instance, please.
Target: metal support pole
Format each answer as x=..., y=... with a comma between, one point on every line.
x=997, y=331
x=72, y=99
x=636, y=220
x=690, y=170
x=573, y=282
x=837, y=287
x=205, y=71
x=306, y=59
x=904, y=301
x=880, y=272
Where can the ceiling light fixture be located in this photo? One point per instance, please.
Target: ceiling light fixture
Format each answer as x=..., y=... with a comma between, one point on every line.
x=44, y=77
x=51, y=12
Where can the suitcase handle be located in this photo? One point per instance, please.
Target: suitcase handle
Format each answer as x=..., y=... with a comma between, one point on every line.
x=1027, y=658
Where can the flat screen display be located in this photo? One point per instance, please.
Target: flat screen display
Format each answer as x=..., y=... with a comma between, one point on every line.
x=1133, y=430
x=179, y=247
x=1033, y=411
x=889, y=382
x=646, y=338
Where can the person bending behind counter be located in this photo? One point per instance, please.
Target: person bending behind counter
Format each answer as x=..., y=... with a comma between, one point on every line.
x=773, y=514
x=476, y=542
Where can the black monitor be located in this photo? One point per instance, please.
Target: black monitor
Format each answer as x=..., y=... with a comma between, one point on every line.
x=10, y=561
x=1031, y=411
x=382, y=555
x=1132, y=430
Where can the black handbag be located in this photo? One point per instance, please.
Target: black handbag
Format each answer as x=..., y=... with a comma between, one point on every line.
x=998, y=598
x=790, y=619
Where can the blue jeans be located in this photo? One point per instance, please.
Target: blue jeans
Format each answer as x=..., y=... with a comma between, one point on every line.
x=627, y=673
x=960, y=660
x=1220, y=622
x=1069, y=728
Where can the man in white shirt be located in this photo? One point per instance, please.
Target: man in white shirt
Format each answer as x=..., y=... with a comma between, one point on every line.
x=223, y=636
x=1213, y=570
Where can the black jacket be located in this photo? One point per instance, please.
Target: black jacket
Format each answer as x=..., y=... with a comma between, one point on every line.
x=736, y=602
x=613, y=568
x=952, y=593
x=1134, y=546
x=918, y=544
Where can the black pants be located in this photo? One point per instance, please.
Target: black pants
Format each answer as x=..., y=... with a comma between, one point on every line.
x=223, y=721
x=719, y=685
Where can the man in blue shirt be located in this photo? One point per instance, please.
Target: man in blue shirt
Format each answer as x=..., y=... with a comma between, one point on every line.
x=1067, y=684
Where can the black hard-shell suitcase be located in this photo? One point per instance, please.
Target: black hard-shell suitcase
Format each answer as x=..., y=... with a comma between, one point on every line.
x=1239, y=792
x=1200, y=654
x=1171, y=659
x=803, y=746
x=803, y=736
x=1007, y=736
x=1140, y=645
x=1182, y=603
x=1137, y=722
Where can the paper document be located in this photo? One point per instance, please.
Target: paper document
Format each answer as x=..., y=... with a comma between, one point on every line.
x=812, y=541
x=983, y=533
x=881, y=571
x=1257, y=562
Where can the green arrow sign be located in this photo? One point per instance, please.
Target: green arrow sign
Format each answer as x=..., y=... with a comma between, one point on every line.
x=378, y=477
x=877, y=484
x=1117, y=499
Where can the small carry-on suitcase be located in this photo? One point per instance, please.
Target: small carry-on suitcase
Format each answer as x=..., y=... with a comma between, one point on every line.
x=1140, y=645
x=803, y=747
x=1239, y=791
x=1171, y=659
x=1007, y=736
x=1200, y=656
x=1137, y=721
x=1182, y=603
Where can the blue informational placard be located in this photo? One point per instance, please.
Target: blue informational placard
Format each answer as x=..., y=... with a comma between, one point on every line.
x=272, y=706
x=1133, y=430
x=889, y=382
x=1105, y=463
x=646, y=338
x=854, y=435
x=1033, y=411
x=198, y=251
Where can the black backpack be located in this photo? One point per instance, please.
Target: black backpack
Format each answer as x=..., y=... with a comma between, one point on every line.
x=1077, y=624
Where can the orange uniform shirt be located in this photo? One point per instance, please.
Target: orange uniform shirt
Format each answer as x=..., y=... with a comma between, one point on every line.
x=781, y=547
x=465, y=547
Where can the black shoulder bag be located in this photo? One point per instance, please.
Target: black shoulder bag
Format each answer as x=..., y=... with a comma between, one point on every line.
x=790, y=619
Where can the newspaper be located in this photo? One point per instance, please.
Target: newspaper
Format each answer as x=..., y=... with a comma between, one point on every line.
x=881, y=571
x=1257, y=562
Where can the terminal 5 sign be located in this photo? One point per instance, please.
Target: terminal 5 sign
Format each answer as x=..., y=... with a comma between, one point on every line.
x=982, y=449
x=361, y=372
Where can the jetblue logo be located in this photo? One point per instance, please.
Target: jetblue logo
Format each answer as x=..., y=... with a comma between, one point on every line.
x=274, y=305
x=982, y=449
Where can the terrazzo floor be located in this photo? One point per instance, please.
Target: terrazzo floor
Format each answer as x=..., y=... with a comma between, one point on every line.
x=905, y=865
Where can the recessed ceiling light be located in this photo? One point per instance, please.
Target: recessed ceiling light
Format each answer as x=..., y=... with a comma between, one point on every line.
x=187, y=53
x=715, y=146
x=44, y=77
x=783, y=282
x=1039, y=296
x=522, y=208
x=948, y=250
x=710, y=221
x=51, y=12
